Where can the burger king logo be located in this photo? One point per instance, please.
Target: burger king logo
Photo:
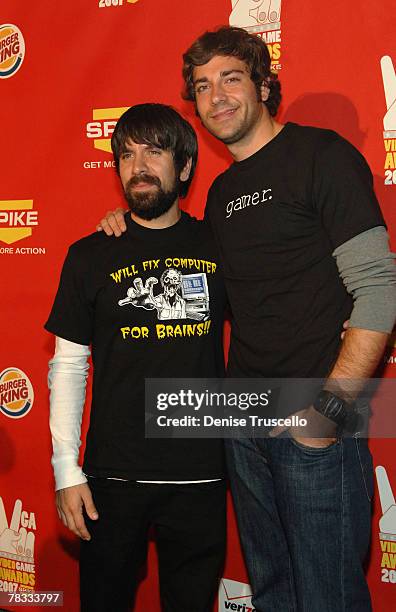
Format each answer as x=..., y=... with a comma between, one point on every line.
x=12, y=50
x=16, y=393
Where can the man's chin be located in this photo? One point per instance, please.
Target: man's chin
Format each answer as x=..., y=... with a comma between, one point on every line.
x=227, y=136
x=149, y=213
x=150, y=208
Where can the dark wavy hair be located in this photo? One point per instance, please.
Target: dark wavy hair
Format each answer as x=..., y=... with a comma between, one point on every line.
x=161, y=126
x=236, y=42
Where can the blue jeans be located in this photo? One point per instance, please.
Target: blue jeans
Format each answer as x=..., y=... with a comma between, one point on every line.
x=304, y=516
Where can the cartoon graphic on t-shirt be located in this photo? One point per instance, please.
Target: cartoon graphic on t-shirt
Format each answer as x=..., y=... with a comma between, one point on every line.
x=183, y=297
x=139, y=295
x=170, y=304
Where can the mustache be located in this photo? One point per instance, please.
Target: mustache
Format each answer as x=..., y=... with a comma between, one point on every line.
x=143, y=178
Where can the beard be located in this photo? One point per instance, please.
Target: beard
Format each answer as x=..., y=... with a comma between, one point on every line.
x=150, y=204
x=237, y=133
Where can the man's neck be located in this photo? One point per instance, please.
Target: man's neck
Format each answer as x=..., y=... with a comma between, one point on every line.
x=171, y=217
x=264, y=131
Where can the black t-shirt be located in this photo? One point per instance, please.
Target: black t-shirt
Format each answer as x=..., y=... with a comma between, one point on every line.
x=277, y=217
x=151, y=303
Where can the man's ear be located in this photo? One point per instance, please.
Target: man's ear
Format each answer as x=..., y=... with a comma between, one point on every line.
x=264, y=90
x=185, y=173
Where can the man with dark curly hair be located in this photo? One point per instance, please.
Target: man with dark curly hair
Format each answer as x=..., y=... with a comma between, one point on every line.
x=250, y=57
x=295, y=212
x=304, y=247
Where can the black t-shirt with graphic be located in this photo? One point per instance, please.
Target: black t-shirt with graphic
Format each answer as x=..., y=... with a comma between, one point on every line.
x=151, y=303
x=277, y=217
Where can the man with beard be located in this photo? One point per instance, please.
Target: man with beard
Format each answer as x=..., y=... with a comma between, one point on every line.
x=129, y=484
x=303, y=246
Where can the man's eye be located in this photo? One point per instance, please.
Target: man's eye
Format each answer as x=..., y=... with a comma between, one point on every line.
x=126, y=155
x=231, y=79
x=155, y=152
x=201, y=88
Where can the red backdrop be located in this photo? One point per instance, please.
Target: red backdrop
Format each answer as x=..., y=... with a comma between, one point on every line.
x=61, y=91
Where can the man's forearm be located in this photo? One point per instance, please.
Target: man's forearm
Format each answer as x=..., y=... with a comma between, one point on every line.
x=367, y=268
x=359, y=357
x=67, y=382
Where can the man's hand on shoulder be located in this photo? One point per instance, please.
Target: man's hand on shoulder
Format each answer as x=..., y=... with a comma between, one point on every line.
x=113, y=223
x=69, y=504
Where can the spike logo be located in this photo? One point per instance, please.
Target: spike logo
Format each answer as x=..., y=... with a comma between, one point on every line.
x=16, y=220
x=102, y=126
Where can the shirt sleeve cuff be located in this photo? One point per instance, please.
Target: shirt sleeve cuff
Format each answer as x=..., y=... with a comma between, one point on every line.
x=67, y=473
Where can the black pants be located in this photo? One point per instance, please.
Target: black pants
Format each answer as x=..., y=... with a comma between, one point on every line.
x=189, y=524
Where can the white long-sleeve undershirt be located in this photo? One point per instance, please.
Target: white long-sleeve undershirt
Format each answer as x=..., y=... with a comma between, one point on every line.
x=67, y=380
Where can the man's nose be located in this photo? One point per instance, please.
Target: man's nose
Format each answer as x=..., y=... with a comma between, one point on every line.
x=140, y=163
x=217, y=93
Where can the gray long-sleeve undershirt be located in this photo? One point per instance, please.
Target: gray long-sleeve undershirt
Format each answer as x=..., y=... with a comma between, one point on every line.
x=368, y=270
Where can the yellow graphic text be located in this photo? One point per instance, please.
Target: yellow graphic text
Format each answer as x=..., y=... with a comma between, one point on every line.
x=124, y=273
x=135, y=332
x=388, y=558
x=199, y=264
x=182, y=331
x=390, y=161
x=202, y=265
x=9, y=572
x=166, y=331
